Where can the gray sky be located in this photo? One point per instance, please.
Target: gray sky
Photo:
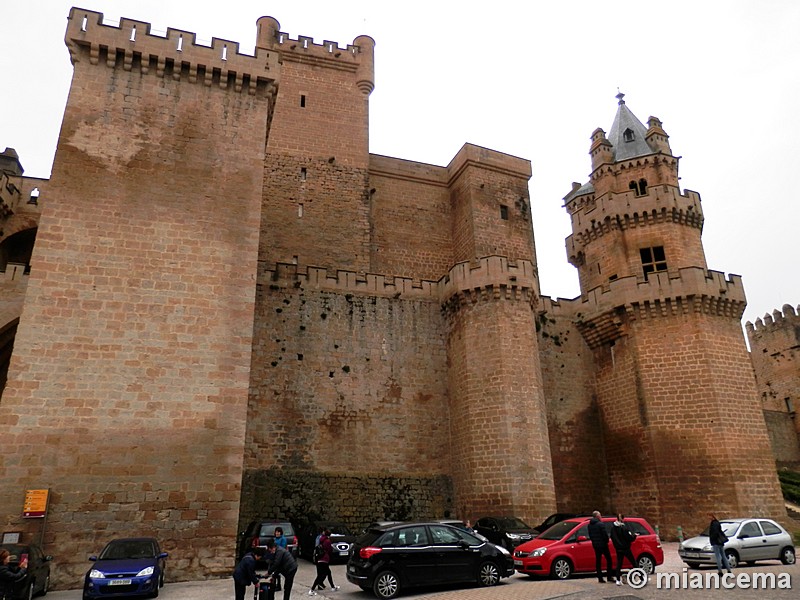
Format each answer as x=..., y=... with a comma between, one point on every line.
x=532, y=79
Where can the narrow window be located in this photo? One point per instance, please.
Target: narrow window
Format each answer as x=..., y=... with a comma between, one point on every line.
x=789, y=405
x=653, y=260
x=642, y=187
x=302, y=100
x=34, y=199
x=632, y=185
x=504, y=212
x=628, y=135
x=299, y=210
x=303, y=173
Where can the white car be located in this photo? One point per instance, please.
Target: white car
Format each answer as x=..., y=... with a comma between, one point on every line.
x=749, y=540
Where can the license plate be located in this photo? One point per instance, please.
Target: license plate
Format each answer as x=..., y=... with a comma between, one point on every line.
x=691, y=555
x=517, y=563
x=343, y=553
x=119, y=582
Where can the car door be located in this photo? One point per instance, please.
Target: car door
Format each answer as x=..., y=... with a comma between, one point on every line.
x=414, y=558
x=775, y=538
x=489, y=529
x=456, y=559
x=580, y=550
x=752, y=543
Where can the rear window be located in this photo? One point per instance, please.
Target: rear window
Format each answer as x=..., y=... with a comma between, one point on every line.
x=770, y=528
x=268, y=529
x=637, y=528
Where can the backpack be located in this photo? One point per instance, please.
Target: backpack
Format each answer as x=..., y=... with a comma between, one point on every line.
x=319, y=551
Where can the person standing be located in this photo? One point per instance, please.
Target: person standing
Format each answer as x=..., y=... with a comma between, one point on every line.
x=718, y=540
x=323, y=564
x=245, y=572
x=622, y=538
x=599, y=537
x=281, y=562
x=8, y=576
x=280, y=539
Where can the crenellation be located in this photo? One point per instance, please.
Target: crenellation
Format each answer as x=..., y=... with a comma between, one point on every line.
x=133, y=43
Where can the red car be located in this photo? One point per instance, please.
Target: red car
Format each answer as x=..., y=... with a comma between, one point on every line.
x=565, y=549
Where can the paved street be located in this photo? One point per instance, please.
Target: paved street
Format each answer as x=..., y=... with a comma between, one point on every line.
x=517, y=587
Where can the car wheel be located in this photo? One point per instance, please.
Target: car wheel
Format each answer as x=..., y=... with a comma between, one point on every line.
x=46, y=586
x=646, y=564
x=154, y=593
x=488, y=574
x=386, y=585
x=561, y=568
x=733, y=558
x=693, y=565
x=161, y=580
x=787, y=556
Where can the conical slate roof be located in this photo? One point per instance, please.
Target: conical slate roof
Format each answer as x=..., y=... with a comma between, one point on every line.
x=627, y=134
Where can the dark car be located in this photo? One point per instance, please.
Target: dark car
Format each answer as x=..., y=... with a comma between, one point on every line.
x=127, y=567
x=37, y=581
x=556, y=518
x=508, y=532
x=258, y=532
x=341, y=539
x=390, y=558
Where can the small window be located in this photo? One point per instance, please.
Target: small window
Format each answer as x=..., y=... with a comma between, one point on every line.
x=302, y=100
x=639, y=187
x=628, y=135
x=653, y=260
x=642, y=187
x=789, y=405
x=303, y=173
x=770, y=528
x=504, y=212
x=300, y=210
x=750, y=530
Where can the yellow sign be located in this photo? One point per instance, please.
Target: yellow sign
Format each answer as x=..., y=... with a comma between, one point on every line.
x=35, y=504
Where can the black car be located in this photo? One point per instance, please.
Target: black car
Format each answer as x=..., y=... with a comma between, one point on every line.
x=508, y=532
x=390, y=558
x=341, y=539
x=556, y=518
x=258, y=532
x=37, y=581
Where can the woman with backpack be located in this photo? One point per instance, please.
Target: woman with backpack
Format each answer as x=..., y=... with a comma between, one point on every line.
x=322, y=554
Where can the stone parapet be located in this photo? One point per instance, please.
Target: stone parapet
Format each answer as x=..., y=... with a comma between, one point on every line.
x=777, y=320
x=177, y=52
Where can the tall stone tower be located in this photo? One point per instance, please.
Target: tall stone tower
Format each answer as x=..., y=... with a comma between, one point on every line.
x=675, y=389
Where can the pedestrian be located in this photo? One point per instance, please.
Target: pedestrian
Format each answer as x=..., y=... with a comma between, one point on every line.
x=323, y=564
x=718, y=540
x=280, y=539
x=281, y=562
x=245, y=572
x=9, y=576
x=622, y=538
x=599, y=537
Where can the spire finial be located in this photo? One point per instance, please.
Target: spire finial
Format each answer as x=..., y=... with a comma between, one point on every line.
x=620, y=96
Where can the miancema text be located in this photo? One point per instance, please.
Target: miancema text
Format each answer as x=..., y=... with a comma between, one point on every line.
x=704, y=581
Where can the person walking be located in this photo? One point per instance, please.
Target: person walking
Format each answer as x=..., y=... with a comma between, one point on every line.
x=8, y=576
x=599, y=537
x=245, y=572
x=281, y=562
x=324, y=564
x=718, y=540
x=622, y=538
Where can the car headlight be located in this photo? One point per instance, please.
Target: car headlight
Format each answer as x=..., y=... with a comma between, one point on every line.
x=502, y=550
x=538, y=552
x=146, y=571
x=707, y=548
x=95, y=574
x=513, y=536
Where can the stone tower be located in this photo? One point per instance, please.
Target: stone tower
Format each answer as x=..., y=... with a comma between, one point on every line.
x=674, y=383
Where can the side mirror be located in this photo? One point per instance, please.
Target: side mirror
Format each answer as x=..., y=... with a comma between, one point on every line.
x=583, y=538
x=464, y=545
x=92, y=558
x=163, y=555
x=48, y=558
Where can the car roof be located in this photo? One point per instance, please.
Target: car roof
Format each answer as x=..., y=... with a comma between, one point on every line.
x=134, y=539
x=743, y=519
x=400, y=524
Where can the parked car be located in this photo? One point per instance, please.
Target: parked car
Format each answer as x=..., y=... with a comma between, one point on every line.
x=37, y=581
x=341, y=539
x=127, y=567
x=565, y=549
x=556, y=518
x=749, y=540
x=508, y=532
x=391, y=558
x=258, y=532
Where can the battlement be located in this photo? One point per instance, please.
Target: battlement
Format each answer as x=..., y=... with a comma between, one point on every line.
x=488, y=273
x=788, y=316
x=690, y=290
x=133, y=45
x=594, y=217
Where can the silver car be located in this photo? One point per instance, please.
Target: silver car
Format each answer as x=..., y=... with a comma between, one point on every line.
x=749, y=540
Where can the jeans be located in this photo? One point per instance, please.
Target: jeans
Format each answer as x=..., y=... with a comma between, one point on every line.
x=719, y=554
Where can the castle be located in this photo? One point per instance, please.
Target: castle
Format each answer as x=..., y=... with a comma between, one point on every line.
x=232, y=309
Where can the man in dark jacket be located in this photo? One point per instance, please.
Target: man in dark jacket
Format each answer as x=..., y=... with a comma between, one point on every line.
x=622, y=538
x=599, y=537
x=718, y=540
x=245, y=572
x=281, y=562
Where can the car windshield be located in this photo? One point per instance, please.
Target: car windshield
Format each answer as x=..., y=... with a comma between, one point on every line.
x=512, y=523
x=126, y=549
x=558, y=531
x=338, y=529
x=728, y=528
x=268, y=529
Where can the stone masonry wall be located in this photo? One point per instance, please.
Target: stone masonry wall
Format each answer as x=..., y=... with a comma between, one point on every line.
x=134, y=348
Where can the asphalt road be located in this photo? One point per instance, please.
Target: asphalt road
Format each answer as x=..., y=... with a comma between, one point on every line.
x=517, y=587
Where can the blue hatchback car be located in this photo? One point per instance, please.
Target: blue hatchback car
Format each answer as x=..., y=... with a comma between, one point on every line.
x=127, y=567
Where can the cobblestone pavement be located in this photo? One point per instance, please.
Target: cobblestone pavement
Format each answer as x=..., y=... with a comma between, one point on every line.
x=517, y=587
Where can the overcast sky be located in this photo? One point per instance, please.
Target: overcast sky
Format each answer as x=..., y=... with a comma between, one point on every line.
x=528, y=78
